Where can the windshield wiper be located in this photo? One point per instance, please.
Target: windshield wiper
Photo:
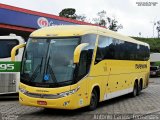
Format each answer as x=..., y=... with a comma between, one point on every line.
x=48, y=67
x=41, y=64
x=35, y=72
x=52, y=74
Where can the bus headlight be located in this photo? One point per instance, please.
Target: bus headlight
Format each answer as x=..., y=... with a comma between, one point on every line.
x=70, y=92
x=22, y=90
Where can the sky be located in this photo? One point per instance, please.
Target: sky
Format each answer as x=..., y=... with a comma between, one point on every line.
x=134, y=18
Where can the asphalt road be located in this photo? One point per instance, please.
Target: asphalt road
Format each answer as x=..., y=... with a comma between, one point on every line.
x=144, y=107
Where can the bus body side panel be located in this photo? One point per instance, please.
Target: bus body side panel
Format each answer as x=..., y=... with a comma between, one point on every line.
x=117, y=77
x=122, y=76
x=99, y=76
x=82, y=98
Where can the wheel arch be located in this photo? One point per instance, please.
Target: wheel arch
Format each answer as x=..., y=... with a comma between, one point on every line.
x=97, y=88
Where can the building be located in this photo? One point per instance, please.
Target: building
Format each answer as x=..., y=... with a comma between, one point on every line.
x=155, y=59
x=22, y=21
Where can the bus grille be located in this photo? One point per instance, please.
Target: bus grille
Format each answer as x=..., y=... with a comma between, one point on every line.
x=47, y=96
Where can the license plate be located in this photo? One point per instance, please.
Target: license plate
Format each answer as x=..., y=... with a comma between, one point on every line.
x=41, y=102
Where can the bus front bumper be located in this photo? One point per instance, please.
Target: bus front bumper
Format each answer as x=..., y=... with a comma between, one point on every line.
x=68, y=102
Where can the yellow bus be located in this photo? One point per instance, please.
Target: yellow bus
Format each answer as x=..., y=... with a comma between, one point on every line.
x=73, y=66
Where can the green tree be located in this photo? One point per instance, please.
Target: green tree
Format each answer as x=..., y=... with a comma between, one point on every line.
x=81, y=17
x=68, y=13
x=100, y=19
x=105, y=21
x=114, y=25
x=71, y=13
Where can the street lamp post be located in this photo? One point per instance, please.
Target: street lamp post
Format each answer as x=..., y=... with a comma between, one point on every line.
x=154, y=23
x=158, y=28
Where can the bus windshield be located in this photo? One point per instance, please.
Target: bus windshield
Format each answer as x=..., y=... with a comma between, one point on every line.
x=47, y=62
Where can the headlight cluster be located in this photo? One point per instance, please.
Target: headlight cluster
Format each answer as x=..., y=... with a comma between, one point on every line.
x=22, y=90
x=49, y=96
x=64, y=94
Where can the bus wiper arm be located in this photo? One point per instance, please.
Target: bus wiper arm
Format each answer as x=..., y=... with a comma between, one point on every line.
x=48, y=67
x=34, y=75
x=41, y=64
x=52, y=74
x=35, y=72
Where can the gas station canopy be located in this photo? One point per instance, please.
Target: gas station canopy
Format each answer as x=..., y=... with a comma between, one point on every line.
x=22, y=21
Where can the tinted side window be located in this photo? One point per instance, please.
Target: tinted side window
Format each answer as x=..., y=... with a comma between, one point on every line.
x=112, y=48
x=6, y=47
x=129, y=51
x=145, y=53
x=82, y=67
x=104, y=45
x=91, y=39
x=86, y=56
x=120, y=50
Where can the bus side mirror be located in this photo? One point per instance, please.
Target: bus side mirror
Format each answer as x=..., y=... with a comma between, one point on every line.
x=77, y=52
x=13, y=52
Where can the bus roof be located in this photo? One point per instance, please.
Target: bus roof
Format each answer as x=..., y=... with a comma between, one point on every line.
x=79, y=30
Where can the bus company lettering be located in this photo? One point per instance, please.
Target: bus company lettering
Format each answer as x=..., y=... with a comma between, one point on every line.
x=44, y=22
x=140, y=66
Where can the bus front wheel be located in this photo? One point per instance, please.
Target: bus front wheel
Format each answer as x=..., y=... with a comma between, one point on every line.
x=93, y=100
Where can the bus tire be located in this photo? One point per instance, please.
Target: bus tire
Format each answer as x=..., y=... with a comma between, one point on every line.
x=139, y=87
x=93, y=100
x=135, y=89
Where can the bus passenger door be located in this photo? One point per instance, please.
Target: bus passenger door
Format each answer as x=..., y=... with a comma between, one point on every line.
x=100, y=69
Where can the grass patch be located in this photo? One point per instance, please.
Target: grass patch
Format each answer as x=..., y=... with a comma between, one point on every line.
x=153, y=42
